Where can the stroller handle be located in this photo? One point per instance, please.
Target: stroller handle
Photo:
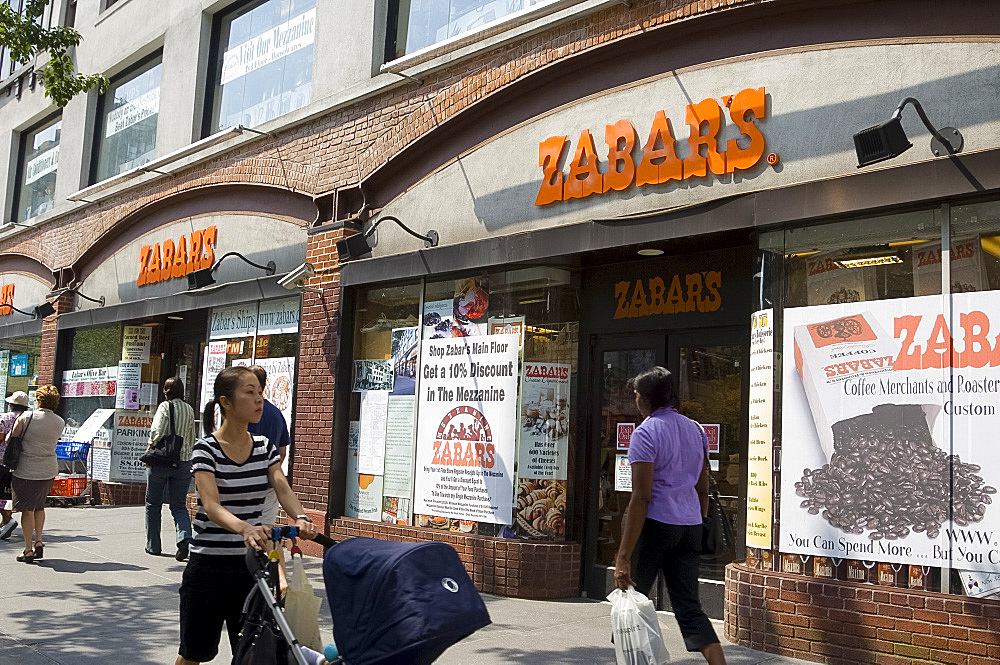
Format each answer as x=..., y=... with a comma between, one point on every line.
x=291, y=531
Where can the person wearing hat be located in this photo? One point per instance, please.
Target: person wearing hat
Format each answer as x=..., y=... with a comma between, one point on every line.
x=16, y=405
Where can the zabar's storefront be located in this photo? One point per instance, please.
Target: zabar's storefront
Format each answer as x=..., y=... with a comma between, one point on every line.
x=695, y=218
x=115, y=355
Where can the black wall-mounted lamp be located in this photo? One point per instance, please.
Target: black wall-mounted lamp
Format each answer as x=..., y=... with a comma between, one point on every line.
x=206, y=276
x=55, y=294
x=888, y=140
x=41, y=311
x=357, y=245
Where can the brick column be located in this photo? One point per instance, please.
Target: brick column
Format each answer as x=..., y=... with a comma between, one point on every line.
x=47, y=356
x=318, y=335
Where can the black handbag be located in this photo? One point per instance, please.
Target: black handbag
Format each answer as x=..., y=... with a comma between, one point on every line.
x=717, y=533
x=6, y=478
x=166, y=452
x=15, y=444
x=260, y=640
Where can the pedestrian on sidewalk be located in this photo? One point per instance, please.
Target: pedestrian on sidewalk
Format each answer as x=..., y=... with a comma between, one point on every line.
x=39, y=431
x=663, y=523
x=232, y=470
x=272, y=425
x=18, y=404
x=176, y=481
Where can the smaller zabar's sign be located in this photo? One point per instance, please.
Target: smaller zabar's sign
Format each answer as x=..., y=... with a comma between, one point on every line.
x=694, y=292
x=167, y=260
x=6, y=299
x=659, y=162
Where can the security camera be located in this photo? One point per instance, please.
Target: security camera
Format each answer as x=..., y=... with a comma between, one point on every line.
x=296, y=279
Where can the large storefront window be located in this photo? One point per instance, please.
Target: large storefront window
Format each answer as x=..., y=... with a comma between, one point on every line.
x=417, y=24
x=127, y=122
x=461, y=411
x=36, y=182
x=886, y=397
x=264, y=55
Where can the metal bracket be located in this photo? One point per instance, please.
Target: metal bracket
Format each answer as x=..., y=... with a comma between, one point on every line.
x=953, y=137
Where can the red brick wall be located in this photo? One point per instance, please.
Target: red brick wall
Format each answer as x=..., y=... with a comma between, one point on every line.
x=846, y=623
x=47, y=353
x=517, y=568
x=119, y=494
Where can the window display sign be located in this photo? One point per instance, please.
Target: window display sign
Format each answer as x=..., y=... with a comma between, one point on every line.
x=623, y=435
x=278, y=317
x=372, y=375
x=760, y=492
x=893, y=408
x=712, y=433
x=623, y=474
x=466, y=428
x=280, y=387
x=270, y=46
x=128, y=386
x=543, y=438
x=371, y=447
x=88, y=430
x=4, y=368
x=364, y=491
x=966, y=266
x=19, y=364
x=236, y=321
x=91, y=382
x=100, y=460
x=136, y=341
x=128, y=446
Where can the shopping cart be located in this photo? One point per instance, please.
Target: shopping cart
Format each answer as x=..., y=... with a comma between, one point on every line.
x=73, y=483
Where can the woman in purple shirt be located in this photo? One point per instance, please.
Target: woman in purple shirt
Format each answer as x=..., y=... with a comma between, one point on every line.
x=663, y=524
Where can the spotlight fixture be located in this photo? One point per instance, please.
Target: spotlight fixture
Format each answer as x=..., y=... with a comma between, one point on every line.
x=42, y=311
x=357, y=245
x=887, y=140
x=206, y=276
x=55, y=294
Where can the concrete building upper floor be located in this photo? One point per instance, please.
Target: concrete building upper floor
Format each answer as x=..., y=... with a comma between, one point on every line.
x=188, y=77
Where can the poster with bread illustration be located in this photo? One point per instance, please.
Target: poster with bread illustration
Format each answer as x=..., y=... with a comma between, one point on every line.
x=280, y=387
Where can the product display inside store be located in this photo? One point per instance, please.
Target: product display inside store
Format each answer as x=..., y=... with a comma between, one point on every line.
x=887, y=408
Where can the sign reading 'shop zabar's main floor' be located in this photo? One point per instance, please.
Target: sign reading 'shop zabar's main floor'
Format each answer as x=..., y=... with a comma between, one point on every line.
x=659, y=162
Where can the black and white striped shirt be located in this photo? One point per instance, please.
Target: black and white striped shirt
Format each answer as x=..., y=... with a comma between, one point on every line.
x=242, y=488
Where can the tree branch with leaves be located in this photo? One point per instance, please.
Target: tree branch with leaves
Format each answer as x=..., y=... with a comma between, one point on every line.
x=26, y=37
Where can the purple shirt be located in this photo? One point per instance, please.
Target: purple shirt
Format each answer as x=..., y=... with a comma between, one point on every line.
x=677, y=447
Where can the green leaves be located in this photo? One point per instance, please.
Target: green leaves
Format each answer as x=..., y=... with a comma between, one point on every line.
x=26, y=37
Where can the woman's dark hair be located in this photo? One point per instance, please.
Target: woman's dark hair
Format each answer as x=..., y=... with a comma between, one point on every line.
x=656, y=387
x=17, y=408
x=173, y=388
x=225, y=385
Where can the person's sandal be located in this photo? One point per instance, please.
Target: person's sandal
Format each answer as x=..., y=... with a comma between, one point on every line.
x=39, y=550
x=26, y=558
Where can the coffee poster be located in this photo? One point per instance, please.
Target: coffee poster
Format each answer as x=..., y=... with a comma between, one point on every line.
x=466, y=429
x=892, y=408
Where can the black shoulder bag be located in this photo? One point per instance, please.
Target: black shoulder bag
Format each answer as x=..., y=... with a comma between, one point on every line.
x=15, y=444
x=167, y=451
x=717, y=533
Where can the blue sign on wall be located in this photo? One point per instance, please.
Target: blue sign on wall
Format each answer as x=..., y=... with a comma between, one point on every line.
x=19, y=364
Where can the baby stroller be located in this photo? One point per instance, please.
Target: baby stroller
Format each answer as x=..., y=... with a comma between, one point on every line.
x=392, y=604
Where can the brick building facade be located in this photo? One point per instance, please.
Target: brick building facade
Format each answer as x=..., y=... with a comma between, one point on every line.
x=450, y=136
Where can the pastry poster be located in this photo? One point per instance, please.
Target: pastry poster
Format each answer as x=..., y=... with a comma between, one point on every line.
x=466, y=428
x=280, y=387
x=364, y=491
x=893, y=409
x=543, y=437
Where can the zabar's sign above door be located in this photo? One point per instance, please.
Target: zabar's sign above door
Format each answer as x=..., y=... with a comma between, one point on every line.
x=167, y=260
x=658, y=162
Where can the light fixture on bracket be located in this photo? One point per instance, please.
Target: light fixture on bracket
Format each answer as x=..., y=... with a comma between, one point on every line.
x=55, y=294
x=868, y=257
x=357, y=245
x=206, y=276
x=888, y=140
x=40, y=311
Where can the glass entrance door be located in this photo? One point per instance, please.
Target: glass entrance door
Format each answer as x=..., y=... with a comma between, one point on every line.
x=709, y=368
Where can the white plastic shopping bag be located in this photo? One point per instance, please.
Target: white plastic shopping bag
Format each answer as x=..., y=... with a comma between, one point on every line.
x=302, y=607
x=638, y=640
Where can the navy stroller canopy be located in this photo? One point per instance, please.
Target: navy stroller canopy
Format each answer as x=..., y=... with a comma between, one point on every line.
x=394, y=603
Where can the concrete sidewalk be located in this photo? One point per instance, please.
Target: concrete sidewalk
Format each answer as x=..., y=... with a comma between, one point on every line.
x=97, y=597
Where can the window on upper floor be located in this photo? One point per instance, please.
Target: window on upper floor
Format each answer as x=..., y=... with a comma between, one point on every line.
x=417, y=24
x=35, y=189
x=127, y=116
x=262, y=62
x=7, y=64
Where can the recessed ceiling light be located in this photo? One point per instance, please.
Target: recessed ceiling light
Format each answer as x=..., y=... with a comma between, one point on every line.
x=649, y=251
x=176, y=318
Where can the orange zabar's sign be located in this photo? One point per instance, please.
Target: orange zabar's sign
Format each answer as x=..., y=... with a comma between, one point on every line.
x=659, y=162
x=6, y=299
x=167, y=260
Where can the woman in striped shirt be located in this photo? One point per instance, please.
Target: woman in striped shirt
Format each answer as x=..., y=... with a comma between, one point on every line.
x=232, y=471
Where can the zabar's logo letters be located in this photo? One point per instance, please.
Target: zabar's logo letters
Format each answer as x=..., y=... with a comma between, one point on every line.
x=659, y=162
x=695, y=292
x=6, y=299
x=938, y=350
x=164, y=261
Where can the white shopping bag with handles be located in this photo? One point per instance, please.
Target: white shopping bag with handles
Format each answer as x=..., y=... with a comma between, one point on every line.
x=636, y=629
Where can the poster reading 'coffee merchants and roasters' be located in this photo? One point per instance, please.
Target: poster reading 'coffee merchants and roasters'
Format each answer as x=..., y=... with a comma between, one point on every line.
x=466, y=430
x=890, y=417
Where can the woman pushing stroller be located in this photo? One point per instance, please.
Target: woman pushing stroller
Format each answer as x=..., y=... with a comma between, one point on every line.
x=232, y=470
